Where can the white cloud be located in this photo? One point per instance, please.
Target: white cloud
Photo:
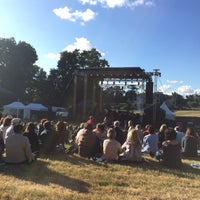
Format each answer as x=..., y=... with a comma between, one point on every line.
x=113, y=4
x=150, y=3
x=185, y=90
x=197, y=91
x=52, y=56
x=165, y=88
x=80, y=43
x=174, y=81
x=65, y=13
x=137, y=3
x=91, y=2
x=119, y=3
x=87, y=15
x=108, y=3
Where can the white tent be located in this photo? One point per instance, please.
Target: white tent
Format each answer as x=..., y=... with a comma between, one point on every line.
x=33, y=106
x=13, y=108
x=168, y=113
x=36, y=106
x=60, y=111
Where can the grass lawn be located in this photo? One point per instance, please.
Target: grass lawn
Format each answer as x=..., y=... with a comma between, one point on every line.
x=187, y=113
x=61, y=176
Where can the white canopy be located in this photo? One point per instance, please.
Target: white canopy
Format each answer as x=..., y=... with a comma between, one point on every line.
x=168, y=113
x=58, y=109
x=13, y=108
x=36, y=106
x=17, y=108
x=14, y=105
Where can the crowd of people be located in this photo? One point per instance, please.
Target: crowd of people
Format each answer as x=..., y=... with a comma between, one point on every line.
x=104, y=141
x=22, y=141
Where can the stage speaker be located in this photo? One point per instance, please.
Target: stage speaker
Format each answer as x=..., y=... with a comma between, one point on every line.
x=149, y=92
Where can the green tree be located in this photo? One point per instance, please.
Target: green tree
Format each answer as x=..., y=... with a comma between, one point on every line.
x=92, y=59
x=193, y=101
x=60, y=80
x=7, y=49
x=37, y=90
x=54, y=93
x=17, y=67
x=178, y=101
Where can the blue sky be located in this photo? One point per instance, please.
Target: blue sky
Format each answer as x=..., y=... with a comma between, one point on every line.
x=151, y=34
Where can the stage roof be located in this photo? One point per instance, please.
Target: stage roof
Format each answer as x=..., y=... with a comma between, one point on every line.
x=115, y=72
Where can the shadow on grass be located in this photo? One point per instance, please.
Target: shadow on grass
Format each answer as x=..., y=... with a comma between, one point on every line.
x=186, y=171
x=73, y=159
x=39, y=173
x=149, y=163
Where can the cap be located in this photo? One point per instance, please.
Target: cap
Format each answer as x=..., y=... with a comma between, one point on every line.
x=15, y=121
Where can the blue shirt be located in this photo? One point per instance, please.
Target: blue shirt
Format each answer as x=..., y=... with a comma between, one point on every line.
x=150, y=143
x=179, y=136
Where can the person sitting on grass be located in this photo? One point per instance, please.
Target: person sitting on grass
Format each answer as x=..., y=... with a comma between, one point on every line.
x=5, y=125
x=32, y=136
x=111, y=147
x=130, y=125
x=90, y=120
x=179, y=133
x=171, y=150
x=88, y=143
x=47, y=138
x=189, y=143
x=74, y=134
x=150, y=142
x=161, y=135
x=61, y=134
x=10, y=130
x=18, y=148
x=2, y=147
x=120, y=134
x=132, y=147
x=101, y=134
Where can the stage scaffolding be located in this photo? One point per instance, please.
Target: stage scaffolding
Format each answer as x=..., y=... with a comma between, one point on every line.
x=126, y=76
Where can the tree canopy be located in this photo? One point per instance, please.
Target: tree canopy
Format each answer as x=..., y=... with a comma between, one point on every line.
x=60, y=79
x=17, y=68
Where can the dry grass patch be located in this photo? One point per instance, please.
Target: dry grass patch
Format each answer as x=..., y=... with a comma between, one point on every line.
x=187, y=113
x=71, y=177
